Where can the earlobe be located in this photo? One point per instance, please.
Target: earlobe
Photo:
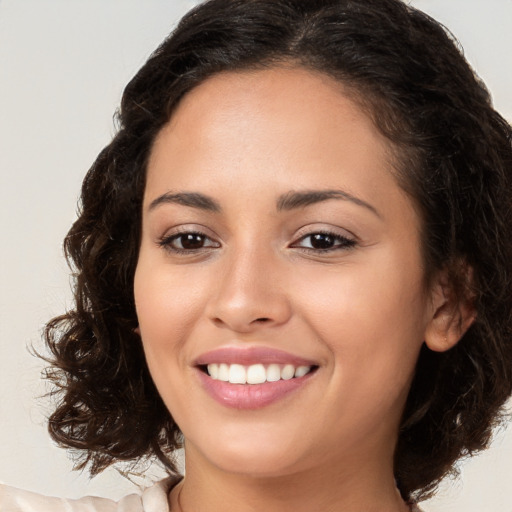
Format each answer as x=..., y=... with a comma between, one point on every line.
x=451, y=317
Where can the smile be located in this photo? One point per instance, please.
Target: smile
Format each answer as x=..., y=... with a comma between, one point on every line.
x=255, y=373
x=252, y=377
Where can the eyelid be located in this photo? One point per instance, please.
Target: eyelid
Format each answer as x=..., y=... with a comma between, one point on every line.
x=166, y=239
x=345, y=239
x=188, y=228
x=346, y=242
x=348, y=239
x=329, y=229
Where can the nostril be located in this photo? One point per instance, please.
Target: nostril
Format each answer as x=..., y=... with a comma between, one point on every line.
x=242, y=321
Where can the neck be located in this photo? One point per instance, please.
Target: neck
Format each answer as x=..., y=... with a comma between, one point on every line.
x=356, y=487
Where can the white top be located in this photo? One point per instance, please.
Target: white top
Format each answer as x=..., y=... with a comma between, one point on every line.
x=152, y=499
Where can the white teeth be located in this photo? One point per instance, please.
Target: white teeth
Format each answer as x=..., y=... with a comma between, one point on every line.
x=255, y=373
x=224, y=372
x=237, y=374
x=302, y=370
x=287, y=372
x=213, y=370
x=273, y=373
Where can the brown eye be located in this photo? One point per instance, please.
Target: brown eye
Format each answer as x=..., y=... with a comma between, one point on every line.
x=324, y=242
x=190, y=241
x=187, y=242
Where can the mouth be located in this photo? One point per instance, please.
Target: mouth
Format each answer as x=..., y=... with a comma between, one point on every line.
x=255, y=373
x=252, y=378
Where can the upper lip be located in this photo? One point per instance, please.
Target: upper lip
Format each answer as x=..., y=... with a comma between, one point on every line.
x=251, y=355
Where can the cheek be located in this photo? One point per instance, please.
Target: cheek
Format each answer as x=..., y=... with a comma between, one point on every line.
x=166, y=299
x=371, y=317
x=168, y=305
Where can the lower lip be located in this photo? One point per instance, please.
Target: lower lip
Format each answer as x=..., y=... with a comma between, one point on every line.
x=250, y=396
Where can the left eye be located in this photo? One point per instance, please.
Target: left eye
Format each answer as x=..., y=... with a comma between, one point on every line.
x=324, y=242
x=185, y=242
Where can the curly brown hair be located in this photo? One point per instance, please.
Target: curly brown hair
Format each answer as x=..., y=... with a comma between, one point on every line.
x=455, y=160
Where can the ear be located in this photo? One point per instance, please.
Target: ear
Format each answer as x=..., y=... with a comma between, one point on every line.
x=451, y=314
x=137, y=330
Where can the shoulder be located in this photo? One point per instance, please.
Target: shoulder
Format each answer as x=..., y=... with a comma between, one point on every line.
x=17, y=500
x=152, y=499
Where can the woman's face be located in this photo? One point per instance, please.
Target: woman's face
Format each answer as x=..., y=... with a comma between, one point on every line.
x=276, y=240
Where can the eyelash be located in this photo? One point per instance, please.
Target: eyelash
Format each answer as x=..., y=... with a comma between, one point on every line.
x=344, y=243
x=167, y=242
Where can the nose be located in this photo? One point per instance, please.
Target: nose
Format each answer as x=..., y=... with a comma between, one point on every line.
x=251, y=293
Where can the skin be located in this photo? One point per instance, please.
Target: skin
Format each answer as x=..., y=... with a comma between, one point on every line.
x=360, y=311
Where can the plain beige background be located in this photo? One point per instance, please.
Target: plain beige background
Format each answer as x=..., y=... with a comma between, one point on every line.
x=63, y=65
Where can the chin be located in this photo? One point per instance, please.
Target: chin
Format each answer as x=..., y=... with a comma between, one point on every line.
x=260, y=466
x=255, y=456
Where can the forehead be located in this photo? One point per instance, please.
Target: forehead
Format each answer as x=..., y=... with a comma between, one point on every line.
x=315, y=99
x=267, y=119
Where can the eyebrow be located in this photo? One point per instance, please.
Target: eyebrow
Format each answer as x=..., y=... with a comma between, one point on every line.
x=192, y=199
x=292, y=200
x=286, y=202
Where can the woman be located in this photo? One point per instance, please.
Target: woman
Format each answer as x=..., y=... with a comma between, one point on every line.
x=294, y=258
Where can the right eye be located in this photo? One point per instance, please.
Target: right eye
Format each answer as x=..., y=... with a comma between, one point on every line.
x=187, y=242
